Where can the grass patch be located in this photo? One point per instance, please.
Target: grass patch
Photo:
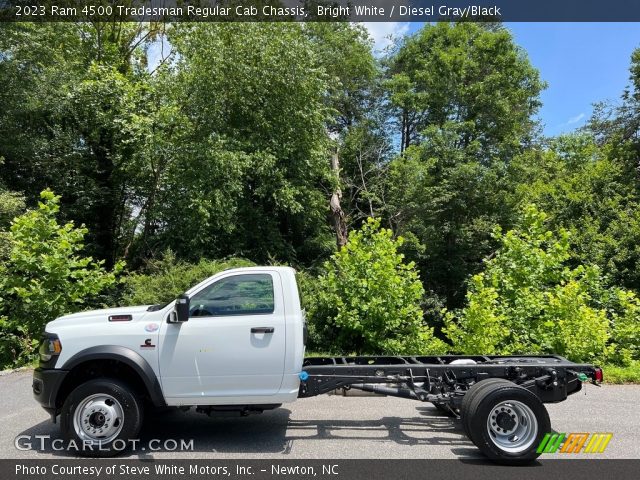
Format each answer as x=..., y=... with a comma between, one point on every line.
x=617, y=375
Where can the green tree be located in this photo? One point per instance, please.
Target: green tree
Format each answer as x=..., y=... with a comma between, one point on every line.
x=246, y=159
x=464, y=96
x=44, y=276
x=218, y=149
x=368, y=299
x=70, y=93
x=589, y=183
x=469, y=74
x=344, y=52
x=589, y=190
x=528, y=300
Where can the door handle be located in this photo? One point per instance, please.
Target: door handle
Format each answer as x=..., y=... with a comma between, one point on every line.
x=262, y=329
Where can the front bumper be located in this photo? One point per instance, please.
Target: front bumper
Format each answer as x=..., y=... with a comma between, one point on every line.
x=46, y=385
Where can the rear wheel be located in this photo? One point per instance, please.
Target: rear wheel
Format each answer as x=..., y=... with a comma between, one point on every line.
x=473, y=392
x=507, y=423
x=100, y=417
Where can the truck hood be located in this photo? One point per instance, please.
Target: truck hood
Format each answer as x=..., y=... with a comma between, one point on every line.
x=97, y=316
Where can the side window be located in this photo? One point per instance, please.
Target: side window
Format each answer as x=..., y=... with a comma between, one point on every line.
x=250, y=294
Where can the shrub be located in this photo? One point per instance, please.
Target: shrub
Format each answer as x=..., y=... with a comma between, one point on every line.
x=43, y=277
x=318, y=332
x=530, y=300
x=368, y=300
x=11, y=204
x=625, y=329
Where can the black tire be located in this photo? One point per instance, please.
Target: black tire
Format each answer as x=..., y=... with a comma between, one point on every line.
x=471, y=394
x=113, y=394
x=518, y=442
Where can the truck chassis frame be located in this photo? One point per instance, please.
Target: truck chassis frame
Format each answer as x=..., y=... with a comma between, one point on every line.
x=445, y=379
x=499, y=399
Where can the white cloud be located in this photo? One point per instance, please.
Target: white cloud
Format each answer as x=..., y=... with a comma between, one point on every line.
x=575, y=119
x=382, y=32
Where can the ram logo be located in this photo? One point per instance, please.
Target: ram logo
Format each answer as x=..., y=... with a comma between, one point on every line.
x=574, y=443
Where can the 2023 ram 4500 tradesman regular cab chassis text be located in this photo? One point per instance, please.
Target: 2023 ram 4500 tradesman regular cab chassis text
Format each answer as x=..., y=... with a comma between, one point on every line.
x=236, y=341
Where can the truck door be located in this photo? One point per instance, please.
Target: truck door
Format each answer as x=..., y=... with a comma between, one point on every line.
x=233, y=344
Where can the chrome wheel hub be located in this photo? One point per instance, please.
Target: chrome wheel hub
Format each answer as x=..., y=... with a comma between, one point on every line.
x=512, y=426
x=98, y=418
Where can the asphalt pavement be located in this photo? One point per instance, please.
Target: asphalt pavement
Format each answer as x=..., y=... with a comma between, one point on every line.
x=323, y=427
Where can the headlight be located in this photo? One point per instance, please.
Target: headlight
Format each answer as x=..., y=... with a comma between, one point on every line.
x=49, y=347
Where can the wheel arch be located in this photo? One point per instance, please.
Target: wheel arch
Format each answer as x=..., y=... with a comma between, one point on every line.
x=108, y=359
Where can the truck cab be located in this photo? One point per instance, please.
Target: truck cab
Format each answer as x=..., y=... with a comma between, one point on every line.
x=235, y=340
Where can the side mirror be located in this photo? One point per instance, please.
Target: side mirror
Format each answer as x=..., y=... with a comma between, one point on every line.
x=181, y=310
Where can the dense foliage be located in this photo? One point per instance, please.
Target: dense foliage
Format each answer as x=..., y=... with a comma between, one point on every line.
x=529, y=300
x=367, y=301
x=464, y=98
x=185, y=148
x=44, y=276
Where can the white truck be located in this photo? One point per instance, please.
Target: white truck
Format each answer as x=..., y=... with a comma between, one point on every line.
x=236, y=342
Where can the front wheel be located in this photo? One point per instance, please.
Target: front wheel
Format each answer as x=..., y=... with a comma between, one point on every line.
x=507, y=423
x=100, y=417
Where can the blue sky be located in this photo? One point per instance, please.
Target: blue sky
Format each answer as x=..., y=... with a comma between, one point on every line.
x=582, y=63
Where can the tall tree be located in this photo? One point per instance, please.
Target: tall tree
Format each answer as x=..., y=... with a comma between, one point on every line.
x=243, y=163
x=589, y=183
x=70, y=91
x=345, y=52
x=464, y=96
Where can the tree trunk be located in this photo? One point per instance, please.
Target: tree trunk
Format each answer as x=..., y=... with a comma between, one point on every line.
x=339, y=220
x=106, y=202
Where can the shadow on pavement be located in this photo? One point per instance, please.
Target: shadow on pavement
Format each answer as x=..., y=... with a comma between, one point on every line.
x=275, y=432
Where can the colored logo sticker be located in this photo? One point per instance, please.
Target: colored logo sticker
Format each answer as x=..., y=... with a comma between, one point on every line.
x=574, y=443
x=151, y=327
